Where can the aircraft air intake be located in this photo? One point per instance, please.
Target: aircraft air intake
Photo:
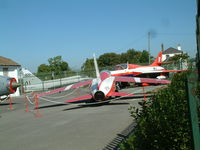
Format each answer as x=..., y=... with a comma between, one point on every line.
x=13, y=85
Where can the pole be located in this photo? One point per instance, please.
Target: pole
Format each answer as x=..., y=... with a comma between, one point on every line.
x=149, y=45
x=37, y=107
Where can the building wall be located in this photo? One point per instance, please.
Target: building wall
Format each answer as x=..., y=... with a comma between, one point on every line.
x=13, y=71
x=165, y=56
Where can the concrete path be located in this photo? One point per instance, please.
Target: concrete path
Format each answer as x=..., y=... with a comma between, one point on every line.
x=65, y=127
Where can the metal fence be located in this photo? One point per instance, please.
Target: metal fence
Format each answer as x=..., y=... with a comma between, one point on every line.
x=51, y=80
x=47, y=81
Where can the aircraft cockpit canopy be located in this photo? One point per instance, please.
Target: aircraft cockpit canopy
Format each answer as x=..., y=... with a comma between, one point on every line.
x=120, y=67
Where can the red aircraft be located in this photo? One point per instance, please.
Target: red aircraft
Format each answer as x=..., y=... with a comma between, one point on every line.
x=154, y=70
x=102, y=87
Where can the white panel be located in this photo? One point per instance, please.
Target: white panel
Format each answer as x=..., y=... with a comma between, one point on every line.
x=137, y=80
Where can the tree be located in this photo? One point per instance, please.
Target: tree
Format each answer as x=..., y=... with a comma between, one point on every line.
x=108, y=59
x=56, y=65
x=43, y=68
x=64, y=66
x=144, y=56
x=133, y=57
x=111, y=59
x=88, y=67
x=178, y=57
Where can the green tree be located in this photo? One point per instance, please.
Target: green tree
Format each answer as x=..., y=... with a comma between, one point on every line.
x=111, y=59
x=43, y=68
x=133, y=56
x=108, y=59
x=123, y=58
x=183, y=56
x=144, y=57
x=88, y=67
x=64, y=66
x=57, y=65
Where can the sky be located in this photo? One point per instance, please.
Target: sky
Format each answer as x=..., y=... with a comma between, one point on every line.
x=32, y=31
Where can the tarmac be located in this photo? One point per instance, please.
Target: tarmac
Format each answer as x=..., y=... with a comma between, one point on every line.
x=66, y=127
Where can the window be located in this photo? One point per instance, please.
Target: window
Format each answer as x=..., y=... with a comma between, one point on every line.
x=5, y=72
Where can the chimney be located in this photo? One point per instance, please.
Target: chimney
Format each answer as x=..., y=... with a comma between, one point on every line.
x=162, y=47
x=179, y=47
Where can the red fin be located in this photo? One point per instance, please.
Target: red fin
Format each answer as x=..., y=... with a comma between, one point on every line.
x=158, y=60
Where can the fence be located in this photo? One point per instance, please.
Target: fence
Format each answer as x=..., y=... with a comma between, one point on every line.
x=194, y=104
x=46, y=81
x=43, y=82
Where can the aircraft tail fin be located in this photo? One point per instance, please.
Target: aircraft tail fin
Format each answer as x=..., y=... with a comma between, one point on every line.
x=158, y=60
x=28, y=77
x=96, y=67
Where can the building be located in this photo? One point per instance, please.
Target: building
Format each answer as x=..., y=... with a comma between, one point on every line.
x=170, y=52
x=10, y=68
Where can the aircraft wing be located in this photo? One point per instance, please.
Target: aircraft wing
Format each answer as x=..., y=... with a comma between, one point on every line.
x=141, y=80
x=135, y=73
x=72, y=86
x=173, y=70
x=120, y=94
x=79, y=99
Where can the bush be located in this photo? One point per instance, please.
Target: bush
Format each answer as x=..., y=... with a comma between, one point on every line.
x=164, y=122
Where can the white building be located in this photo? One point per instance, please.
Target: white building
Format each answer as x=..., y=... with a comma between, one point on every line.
x=10, y=68
x=170, y=52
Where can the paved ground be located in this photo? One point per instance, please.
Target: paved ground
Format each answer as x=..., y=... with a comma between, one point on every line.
x=64, y=127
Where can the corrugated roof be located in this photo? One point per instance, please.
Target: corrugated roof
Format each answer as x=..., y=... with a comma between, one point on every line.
x=7, y=62
x=172, y=50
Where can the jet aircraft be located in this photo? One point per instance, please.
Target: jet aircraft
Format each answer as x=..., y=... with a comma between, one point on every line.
x=102, y=87
x=154, y=70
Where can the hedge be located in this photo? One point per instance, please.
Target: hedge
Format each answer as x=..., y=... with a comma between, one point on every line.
x=164, y=122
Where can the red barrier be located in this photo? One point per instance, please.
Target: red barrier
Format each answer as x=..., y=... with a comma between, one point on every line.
x=37, y=107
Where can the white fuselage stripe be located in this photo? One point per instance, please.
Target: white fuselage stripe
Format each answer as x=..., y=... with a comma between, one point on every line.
x=137, y=80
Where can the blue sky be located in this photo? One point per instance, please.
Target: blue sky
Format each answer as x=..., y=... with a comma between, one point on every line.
x=31, y=31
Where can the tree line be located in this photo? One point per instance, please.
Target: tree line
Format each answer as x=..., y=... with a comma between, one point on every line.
x=58, y=65
x=105, y=61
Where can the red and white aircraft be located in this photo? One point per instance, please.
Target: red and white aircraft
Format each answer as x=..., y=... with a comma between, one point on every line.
x=154, y=70
x=102, y=87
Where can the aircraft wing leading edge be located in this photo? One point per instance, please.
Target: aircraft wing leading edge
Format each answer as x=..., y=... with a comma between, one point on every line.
x=140, y=80
x=78, y=99
x=72, y=86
